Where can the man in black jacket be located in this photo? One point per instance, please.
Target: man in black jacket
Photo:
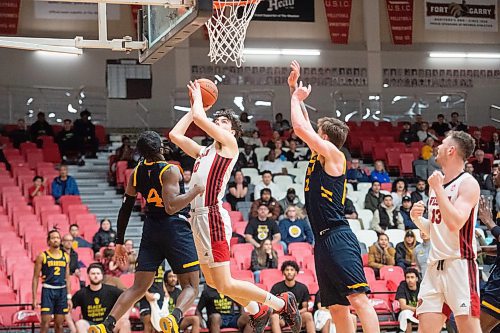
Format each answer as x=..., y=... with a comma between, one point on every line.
x=407, y=136
x=40, y=127
x=85, y=134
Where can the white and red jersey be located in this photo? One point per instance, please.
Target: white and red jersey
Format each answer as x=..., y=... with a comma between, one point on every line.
x=446, y=244
x=212, y=171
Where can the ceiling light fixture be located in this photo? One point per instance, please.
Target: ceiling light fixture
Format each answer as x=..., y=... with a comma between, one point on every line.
x=476, y=55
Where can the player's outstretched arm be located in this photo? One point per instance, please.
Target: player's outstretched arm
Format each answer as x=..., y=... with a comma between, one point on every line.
x=456, y=214
x=304, y=130
x=128, y=202
x=172, y=199
x=292, y=84
x=178, y=136
x=200, y=118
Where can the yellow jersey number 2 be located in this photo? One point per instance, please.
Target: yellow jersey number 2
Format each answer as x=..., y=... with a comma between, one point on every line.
x=154, y=197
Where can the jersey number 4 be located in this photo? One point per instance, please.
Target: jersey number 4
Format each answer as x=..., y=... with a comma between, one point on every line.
x=436, y=216
x=153, y=197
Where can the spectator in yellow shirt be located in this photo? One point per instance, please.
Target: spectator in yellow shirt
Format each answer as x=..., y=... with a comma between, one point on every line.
x=427, y=148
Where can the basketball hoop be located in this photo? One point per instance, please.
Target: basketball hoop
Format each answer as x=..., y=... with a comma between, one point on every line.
x=227, y=30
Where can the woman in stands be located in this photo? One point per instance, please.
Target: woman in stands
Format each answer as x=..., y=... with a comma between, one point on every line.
x=399, y=190
x=381, y=254
x=238, y=190
x=263, y=257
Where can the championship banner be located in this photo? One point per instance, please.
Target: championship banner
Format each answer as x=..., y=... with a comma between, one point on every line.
x=400, y=13
x=285, y=10
x=338, y=15
x=61, y=10
x=470, y=15
x=9, y=16
x=135, y=10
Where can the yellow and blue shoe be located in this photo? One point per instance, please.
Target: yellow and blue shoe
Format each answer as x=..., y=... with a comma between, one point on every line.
x=169, y=324
x=100, y=328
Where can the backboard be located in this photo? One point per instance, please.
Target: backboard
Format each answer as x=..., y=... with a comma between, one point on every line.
x=165, y=27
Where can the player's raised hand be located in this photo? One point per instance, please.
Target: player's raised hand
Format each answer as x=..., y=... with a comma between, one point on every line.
x=199, y=188
x=121, y=255
x=436, y=180
x=302, y=92
x=417, y=210
x=294, y=74
x=195, y=92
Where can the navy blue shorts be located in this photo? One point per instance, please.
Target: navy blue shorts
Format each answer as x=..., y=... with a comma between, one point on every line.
x=54, y=301
x=339, y=266
x=167, y=237
x=490, y=296
x=229, y=321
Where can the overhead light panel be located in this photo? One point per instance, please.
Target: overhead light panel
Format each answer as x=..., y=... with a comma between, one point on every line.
x=463, y=55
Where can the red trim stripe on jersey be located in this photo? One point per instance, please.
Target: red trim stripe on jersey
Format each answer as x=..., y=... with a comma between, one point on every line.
x=467, y=237
x=475, y=305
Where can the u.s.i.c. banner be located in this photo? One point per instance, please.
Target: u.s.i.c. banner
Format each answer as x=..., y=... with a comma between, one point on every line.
x=461, y=15
x=285, y=10
x=9, y=16
x=338, y=16
x=400, y=13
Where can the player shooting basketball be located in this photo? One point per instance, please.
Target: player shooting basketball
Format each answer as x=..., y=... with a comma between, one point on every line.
x=451, y=282
x=337, y=255
x=210, y=221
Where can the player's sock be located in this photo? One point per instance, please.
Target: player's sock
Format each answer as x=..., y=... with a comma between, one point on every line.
x=177, y=313
x=110, y=323
x=274, y=302
x=252, y=307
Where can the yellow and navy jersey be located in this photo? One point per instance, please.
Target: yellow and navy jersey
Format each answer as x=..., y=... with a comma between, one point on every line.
x=54, y=268
x=325, y=197
x=147, y=180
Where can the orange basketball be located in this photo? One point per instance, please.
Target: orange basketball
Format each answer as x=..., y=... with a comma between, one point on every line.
x=209, y=92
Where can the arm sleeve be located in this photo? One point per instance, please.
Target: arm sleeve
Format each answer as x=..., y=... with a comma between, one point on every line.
x=77, y=299
x=400, y=293
x=123, y=217
x=276, y=229
x=249, y=228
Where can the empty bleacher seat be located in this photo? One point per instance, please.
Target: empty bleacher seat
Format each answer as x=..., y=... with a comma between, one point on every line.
x=395, y=235
x=367, y=236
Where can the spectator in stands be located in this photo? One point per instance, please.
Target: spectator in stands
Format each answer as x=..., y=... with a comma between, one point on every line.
x=78, y=241
x=247, y=125
x=37, y=188
x=387, y=216
x=489, y=181
x=291, y=198
x=112, y=270
x=417, y=125
x=292, y=155
x=379, y=173
x=254, y=141
x=278, y=151
x=421, y=192
x=424, y=132
x=104, y=236
x=125, y=152
x=294, y=228
x=421, y=253
x=456, y=124
x=64, y=184
x=280, y=124
x=482, y=166
x=356, y=174
x=407, y=295
x=440, y=126
x=85, y=134
x=294, y=137
x=494, y=146
x=247, y=158
x=68, y=144
x=407, y=135
x=269, y=201
x=262, y=227
x=267, y=182
x=67, y=246
x=237, y=190
x=398, y=191
x=290, y=269
x=96, y=301
x=132, y=255
x=263, y=257
x=186, y=177
x=405, y=251
x=20, y=134
x=275, y=137
x=373, y=198
x=480, y=143
x=221, y=312
x=427, y=149
x=405, y=213
x=40, y=127
x=381, y=254
x=272, y=163
x=469, y=168
x=349, y=208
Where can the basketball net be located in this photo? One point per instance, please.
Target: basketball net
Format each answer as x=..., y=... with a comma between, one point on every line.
x=227, y=30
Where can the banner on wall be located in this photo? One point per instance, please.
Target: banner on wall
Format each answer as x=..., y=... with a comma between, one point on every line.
x=338, y=15
x=285, y=10
x=9, y=16
x=470, y=15
x=400, y=13
x=135, y=10
x=60, y=10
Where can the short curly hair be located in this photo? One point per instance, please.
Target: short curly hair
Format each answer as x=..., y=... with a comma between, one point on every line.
x=149, y=144
x=233, y=118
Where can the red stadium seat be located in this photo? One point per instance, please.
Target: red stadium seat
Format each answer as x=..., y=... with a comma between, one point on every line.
x=392, y=273
x=299, y=246
x=300, y=255
x=121, y=167
x=45, y=211
x=88, y=231
x=406, y=164
x=313, y=288
x=42, y=200
x=244, y=249
x=51, y=153
x=127, y=280
x=243, y=275
x=282, y=259
x=386, y=187
x=85, y=219
x=46, y=140
x=33, y=157
x=392, y=158
x=58, y=221
x=243, y=261
x=414, y=151
x=235, y=216
x=305, y=278
x=370, y=274
x=309, y=263
x=364, y=257
x=67, y=200
x=227, y=206
x=270, y=276
x=379, y=151
x=74, y=210
x=100, y=133
x=239, y=227
x=85, y=255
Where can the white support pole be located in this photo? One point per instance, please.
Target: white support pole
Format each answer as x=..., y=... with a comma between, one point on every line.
x=102, y=21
